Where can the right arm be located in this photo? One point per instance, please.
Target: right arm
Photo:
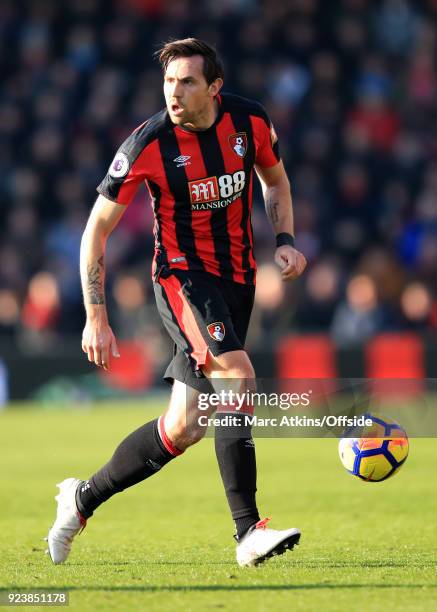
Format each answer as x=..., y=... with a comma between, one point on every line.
x=98, y=340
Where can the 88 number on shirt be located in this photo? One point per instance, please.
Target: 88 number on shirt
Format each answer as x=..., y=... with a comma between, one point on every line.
x=231, y=183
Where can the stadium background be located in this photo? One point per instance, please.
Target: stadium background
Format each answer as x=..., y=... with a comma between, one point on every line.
x=351, y=87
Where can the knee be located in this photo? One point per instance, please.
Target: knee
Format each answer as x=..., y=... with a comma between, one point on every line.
x=235, y=364
x=241, y=371
x=182, y=434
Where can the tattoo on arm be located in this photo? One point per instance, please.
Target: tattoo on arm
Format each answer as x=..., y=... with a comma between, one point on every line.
x=94, y=286
x=272, y=211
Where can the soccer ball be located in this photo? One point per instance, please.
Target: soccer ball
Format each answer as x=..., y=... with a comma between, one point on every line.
x=378, y=452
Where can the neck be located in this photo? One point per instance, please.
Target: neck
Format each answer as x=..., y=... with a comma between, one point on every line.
x=205, y=119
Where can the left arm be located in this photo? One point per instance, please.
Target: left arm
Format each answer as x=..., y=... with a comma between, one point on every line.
x=277, y=198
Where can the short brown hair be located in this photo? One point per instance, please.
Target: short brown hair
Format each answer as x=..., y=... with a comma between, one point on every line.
x=187, y=47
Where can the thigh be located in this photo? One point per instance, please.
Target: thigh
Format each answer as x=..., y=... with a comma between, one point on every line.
x=181, y=369
x=240, y=299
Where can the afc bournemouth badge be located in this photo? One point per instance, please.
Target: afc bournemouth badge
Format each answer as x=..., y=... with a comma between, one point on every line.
x=238, y=143
x=216, y=331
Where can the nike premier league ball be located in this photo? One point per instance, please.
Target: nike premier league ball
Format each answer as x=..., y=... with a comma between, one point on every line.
x=379, y=451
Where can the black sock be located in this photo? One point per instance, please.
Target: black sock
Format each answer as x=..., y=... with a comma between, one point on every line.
x=235, y=451
x=244, y=524
x=139, y=456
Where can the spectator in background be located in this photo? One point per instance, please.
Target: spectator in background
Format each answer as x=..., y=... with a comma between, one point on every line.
x=9, y=313
x=351, y=86
x=269, y=317
x=320, y=297
x=135, y=316
x=396, y=26
x=416, y=303
x=360, y=316
x=376, y=119
x=41, y=310
x=418, y=242
x=12, y=268
x=22, y=228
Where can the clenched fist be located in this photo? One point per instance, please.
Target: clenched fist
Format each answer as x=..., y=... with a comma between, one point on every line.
x=291, y=262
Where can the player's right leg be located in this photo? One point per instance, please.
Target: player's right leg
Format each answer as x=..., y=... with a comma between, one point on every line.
x=142, y=454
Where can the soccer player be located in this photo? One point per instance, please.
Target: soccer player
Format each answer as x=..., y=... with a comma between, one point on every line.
x=197, y=158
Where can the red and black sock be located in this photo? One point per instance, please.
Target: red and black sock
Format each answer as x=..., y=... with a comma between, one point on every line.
x=143, y=453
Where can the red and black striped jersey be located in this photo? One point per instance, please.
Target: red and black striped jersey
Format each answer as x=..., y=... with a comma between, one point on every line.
x=201, y=184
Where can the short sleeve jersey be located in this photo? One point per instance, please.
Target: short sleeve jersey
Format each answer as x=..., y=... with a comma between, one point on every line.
x=201, y=184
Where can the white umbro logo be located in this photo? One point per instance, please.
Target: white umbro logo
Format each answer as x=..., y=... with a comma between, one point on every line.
x=182, y=160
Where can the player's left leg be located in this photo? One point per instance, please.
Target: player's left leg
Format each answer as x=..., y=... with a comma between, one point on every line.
x=234, y=446
x=235, y=451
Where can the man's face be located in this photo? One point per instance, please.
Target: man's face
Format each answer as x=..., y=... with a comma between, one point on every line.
x=187, y=94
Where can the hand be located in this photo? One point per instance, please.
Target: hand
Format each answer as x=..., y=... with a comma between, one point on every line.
x=291, y=262
x=98, y=342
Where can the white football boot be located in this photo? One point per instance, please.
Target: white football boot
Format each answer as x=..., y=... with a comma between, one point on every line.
x=69, y=522
x=261, y=543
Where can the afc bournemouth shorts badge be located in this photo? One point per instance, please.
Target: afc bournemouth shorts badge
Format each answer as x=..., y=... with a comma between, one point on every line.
x=238, y=143
x=216, y=331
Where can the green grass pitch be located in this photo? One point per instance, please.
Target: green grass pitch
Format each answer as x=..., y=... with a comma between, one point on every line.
x=167, y=544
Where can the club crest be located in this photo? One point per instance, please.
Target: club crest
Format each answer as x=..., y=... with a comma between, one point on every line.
x=216, y=331
x=238, y=143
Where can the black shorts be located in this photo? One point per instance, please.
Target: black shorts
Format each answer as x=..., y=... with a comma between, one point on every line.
x=201, y=312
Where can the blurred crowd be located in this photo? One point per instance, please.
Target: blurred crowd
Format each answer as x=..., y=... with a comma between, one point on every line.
x=351, y=86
